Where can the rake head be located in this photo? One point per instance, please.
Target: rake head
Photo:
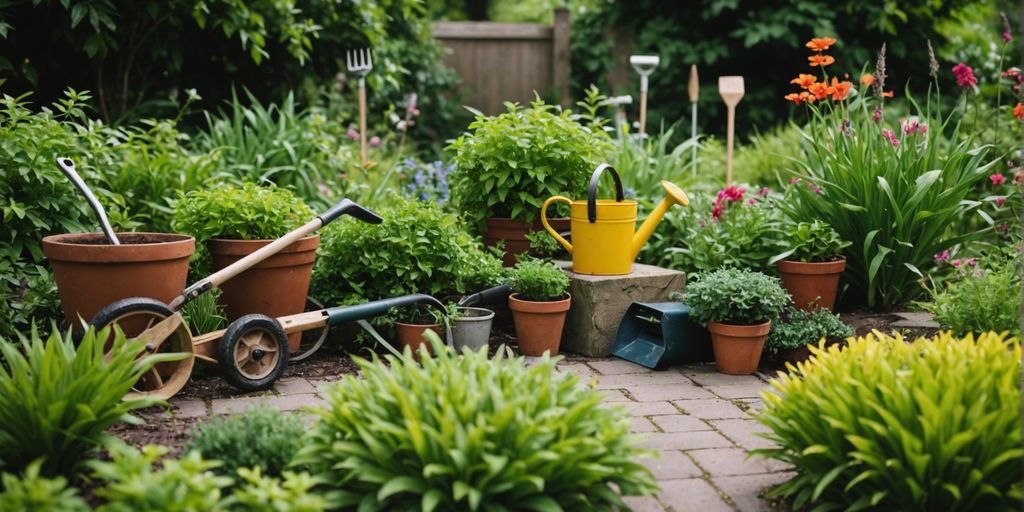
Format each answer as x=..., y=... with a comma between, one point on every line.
x=359, y=61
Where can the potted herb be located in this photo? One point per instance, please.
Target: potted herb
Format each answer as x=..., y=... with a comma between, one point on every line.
x=234, y=221
x=797, y=328
x=811, y=266
x=413, y=321
x=737, y=306
x=539, y=303
x=507, y=165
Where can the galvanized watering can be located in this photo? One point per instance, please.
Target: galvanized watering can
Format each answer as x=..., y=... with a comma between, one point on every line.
x=604, y=242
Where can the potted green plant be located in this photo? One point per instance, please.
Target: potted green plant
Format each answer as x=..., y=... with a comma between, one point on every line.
x=233, y=221
x=507, y=165
x=810, y=268
x=539, y=302
x=795, y=329
x=413, y=321
x=737, y=306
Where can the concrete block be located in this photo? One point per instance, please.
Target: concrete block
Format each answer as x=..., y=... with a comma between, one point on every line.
x=599, y=302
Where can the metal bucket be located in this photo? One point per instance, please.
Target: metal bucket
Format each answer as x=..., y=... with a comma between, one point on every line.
x=472, y=329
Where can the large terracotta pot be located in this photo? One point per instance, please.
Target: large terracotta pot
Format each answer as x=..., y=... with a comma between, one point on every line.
x=513, y=232
x=411, y=335
x=812, y=285
x=538, y=324
x=275, y=287
x=738, y=347
x=91, y=273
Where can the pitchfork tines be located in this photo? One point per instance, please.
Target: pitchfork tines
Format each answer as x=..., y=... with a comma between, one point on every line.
x=359, y=61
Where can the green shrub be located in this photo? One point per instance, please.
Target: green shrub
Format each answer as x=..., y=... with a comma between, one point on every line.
x=889, y=425
x=203, y=314
x=539, y=280
x=132, y=483
x=797, y=328
x=811, y=242
x=735, y=296
x=246, y=212
x=58, y=397
x=459, y=433
x=291, y=493
x=981, y=300
x=508, y=165
x=31, y=492
x=261, y=437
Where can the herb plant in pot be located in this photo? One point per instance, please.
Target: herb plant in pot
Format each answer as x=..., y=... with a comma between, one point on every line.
x=507, y=165
x=810, y=268
x=234, y=221
x=737, y=307
x=411, y=324
x=539, y=303
x=796, y=329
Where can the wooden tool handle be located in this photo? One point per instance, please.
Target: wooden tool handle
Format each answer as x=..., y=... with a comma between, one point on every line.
x=643, y=112
x=362, y=122
x=729, y=134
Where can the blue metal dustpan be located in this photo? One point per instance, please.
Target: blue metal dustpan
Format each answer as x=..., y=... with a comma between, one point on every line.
x=661, y=334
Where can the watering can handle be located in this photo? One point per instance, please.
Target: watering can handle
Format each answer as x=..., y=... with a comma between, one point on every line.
x=595, y=180
x=544, y=220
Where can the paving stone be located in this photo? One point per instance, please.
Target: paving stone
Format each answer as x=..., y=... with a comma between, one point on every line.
x=643, y=504
x=295, y=402
x=743, y=432
x=734, y=461
x=580, y=370
x=642, y=379
x=754, y=405
x=916, y=320
x=686, y=440
x=296, y=386
x=658, y=392
x=641, y=425
x=679, y=423
x=236, y=405
x=690, y=495
x=322, y=385
x=617, y=367
x=671, y=465
x=745, y=490
x=647, y=408
x=707, y=375
x=612, y=396
x=750, y=390
x=713, y=408
x=189, y=408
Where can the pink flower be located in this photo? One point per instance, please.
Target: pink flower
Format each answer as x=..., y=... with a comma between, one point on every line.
x=876, y=115
x=375, y=141
x=957, y=263
x=794, y=181
x=891, y=137
x=942, y=256
x=1007, y=37
x=763, y=192
x=1018, y=178
x=912, y=126
x=970, y=262
x=817, y=189
x=1003, y=227
x=352, y=133
x=732, y=193
x=1000, y=201
x=752, y=201
x=997, y=179
x=964, y=75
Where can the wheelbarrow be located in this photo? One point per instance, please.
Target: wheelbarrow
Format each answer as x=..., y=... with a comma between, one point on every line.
x=252, y=358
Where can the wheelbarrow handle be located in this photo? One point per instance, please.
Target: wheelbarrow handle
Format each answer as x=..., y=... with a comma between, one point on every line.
x=348, y=207
x=342, y=314
x=495, y=295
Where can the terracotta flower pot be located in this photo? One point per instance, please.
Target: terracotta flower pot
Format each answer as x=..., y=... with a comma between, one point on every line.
x=538, y=324
x=275, y=287
x=795, y=356
x=812, y=285
x=91, y=273
x=411, y=335
x=513, y=232
x=738, y=347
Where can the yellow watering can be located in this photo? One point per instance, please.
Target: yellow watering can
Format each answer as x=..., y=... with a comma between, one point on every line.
x=602, y=229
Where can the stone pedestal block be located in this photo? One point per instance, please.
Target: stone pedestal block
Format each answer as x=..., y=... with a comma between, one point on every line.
x=599, y=302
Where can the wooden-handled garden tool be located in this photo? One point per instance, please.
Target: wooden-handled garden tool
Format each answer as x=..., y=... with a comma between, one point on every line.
x=68, y=167
x=693, y=88
x=644, y=66
x=731, y=89
x=360, y=62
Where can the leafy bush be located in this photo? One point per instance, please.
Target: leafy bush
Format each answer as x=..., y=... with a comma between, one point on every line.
x=981, y=300
x=539, y=280
x=58, y=397
x=797, y=328
x=131, y=482
x=291, y=493
x=458, y=433
x=508, y=165
x=261, y=437
x=246, y=212
x=31, y=492
x=882, y=423
x=203, y=314
x=735, y=296
x=811, y=242
x=417, y=249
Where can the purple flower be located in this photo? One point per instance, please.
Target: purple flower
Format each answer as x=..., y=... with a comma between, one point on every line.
x=352, y=133
x=942, y=256
x=891, y=137
x=375, y=141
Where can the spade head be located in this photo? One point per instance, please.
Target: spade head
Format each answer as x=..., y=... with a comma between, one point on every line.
x=731, y=89
x=644, y=64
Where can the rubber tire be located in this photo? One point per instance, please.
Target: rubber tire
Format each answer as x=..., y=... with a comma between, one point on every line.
x=233, y=335
x=129, y=305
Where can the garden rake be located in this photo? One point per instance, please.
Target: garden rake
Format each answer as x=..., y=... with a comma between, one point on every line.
x=360, y=62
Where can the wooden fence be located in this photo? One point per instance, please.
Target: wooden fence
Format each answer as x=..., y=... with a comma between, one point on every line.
x=501, y=62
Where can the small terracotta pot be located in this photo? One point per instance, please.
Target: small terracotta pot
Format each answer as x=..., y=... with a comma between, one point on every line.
x=411, y=335
x=275, y=287
x=795, y=355
x=738, y=347
x=513, y=232
x=538, y=324
x=812, y=285
x=91, y=273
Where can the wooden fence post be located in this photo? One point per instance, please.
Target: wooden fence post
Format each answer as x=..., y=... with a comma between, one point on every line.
x=560, y=61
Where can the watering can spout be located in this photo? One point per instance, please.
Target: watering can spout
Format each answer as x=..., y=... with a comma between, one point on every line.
x=673, y=195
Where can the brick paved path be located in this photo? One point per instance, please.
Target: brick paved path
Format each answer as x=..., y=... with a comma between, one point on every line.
x=698, y=419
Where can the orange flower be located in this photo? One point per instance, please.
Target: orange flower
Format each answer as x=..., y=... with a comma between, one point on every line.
x=888, y=94
x=867, y=79
x=821, y=60
x=820, y=90
x=820, y=44
x=1018, y=111
x=796, y=98
x=804, y=80
x=840, y=89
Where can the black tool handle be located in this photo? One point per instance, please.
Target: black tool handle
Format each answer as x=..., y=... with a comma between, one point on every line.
x=495, y=295
x=342, y=314
x=348, y=207
x=595, y=180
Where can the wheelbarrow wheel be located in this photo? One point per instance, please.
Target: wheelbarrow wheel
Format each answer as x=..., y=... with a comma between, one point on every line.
x=253, y=352
x=133, y=316
x=312, y=339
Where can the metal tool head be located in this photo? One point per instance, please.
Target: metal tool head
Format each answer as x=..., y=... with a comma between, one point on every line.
x=359, y=61
x=644, y=64
x=616, y=101
x=731, y=89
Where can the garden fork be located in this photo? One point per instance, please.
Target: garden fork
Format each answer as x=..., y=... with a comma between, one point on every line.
x=361, y=62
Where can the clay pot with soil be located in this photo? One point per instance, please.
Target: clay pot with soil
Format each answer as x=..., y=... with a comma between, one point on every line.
x=512, y=233
x=540, y=302
x=811, y=267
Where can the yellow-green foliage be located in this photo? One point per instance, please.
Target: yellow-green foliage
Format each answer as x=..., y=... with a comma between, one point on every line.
x=884, y=424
